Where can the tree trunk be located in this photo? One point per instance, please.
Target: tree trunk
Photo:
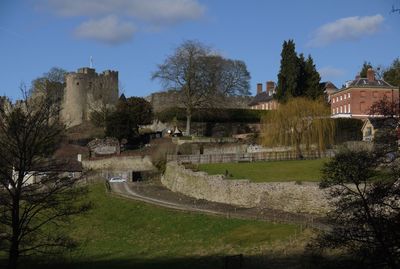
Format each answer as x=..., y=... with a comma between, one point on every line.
x=13, y=255
x=298, y=147
x=14, y=248
x=188, y=121
x=298, y=151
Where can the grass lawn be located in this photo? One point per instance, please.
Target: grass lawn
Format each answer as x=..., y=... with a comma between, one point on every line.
x=120, y=233
x=274, y=171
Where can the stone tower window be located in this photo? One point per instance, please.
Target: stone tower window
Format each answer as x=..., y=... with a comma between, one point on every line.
x=77, y=83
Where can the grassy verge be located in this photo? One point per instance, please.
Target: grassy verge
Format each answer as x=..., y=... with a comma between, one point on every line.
x=279, y=171
x=121, y=233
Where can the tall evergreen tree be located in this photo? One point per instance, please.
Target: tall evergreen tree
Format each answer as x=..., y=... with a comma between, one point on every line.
x=312, y=79
x=288, y=73
x=297, y=76
x=301, y=76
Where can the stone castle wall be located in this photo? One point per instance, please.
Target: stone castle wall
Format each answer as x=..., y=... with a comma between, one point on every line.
x=87, y=91
x=286, y=196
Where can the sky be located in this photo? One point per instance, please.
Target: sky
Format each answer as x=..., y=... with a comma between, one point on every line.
x=134, y=36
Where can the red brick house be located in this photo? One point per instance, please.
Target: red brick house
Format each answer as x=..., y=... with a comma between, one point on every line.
x=264, y=100
x=356, y=98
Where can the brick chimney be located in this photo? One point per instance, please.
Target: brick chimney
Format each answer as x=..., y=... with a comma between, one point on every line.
x=259, y=88
x=270, y=87
x=370, y=75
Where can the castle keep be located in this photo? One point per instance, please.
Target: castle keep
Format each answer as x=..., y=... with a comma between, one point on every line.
x=87, y=91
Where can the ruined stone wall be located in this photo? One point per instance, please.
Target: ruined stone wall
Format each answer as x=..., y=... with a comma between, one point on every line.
x=163, y=100
x=87, y=91
x=286, y=196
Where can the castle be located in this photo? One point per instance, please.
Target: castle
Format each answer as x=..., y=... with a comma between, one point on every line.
x=87, y=91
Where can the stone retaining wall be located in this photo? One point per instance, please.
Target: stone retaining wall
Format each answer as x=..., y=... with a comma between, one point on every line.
x=286, y=196
x=132, y=163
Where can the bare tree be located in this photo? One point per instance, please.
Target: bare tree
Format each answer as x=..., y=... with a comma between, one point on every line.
x=201, y=77
x=35, y=195
x=51, y=85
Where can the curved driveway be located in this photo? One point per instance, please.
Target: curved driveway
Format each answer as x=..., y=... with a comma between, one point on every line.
x=161, y=196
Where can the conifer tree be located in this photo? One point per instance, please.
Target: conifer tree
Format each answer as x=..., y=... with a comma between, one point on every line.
x=297, y=76
x=288, y=73
x=301, y=77
x=312, y=80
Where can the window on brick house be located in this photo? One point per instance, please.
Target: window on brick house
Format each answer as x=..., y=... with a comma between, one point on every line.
x=349, y=108
x=345, y=109
x=333, y=111
x=341, y=98
x=362, y=107
x=348, y=95
x=341, y=111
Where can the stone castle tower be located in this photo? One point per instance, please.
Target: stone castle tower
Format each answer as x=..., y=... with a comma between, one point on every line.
x=85, y=92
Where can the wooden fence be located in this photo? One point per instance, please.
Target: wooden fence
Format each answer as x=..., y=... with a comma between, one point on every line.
x=247, y=157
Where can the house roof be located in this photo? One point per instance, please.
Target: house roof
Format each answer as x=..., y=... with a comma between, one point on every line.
x=364, y=82
x=57, y=165
x=327, y=85
x=378, y=123
x=262, y=97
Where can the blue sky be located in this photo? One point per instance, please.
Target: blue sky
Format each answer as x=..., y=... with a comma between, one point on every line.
x=133, y=36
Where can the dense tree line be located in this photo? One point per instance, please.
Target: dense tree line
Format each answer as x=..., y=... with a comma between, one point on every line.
x=297, y=75
x=219, y=115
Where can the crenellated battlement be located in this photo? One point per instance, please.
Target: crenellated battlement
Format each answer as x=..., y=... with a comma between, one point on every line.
x=85, y=92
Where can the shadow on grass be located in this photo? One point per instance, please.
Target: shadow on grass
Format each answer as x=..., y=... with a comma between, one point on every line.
x=205, y=262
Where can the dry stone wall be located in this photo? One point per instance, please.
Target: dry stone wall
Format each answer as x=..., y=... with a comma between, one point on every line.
x=285, y=196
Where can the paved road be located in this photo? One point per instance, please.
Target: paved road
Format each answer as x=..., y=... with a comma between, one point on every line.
x=161, y=196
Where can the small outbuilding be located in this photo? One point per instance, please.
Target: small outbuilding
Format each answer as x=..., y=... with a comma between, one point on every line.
x=371, y=126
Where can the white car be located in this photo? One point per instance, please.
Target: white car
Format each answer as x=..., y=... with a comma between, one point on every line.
x=116, y=179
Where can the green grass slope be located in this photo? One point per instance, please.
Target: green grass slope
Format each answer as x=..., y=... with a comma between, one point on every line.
x=274, y=171
x=121, y=233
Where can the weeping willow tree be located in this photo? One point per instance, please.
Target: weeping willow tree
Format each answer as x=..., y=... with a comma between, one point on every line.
x=299, y=123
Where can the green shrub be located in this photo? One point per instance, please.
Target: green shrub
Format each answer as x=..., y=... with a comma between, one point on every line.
x=213, y=115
